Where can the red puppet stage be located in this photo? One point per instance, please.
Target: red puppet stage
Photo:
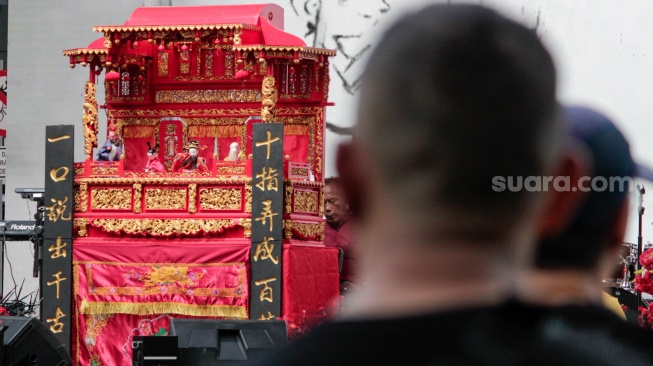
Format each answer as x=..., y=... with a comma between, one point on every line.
x=148, y=245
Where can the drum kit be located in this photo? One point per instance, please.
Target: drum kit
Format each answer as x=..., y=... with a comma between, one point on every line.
x=621, y=285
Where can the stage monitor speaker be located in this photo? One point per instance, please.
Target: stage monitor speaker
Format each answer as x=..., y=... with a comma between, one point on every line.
x=227, y=342
x=154, y=351
x=28, y=342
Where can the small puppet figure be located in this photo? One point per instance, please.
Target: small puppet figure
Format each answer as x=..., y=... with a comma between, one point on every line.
x=189, y=160
x=112, y=148
x=233, y=152
x=153, y=165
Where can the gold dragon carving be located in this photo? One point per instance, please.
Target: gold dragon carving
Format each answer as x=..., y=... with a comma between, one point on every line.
x=163, y=227
x=221, y=199
x=111, y=199
x=89, y=119
x=165, y=199
x=269, y=93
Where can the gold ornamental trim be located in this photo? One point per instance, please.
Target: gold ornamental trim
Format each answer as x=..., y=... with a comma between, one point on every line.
x=163, y=227
x=207, y=96
x=165, y=199
x=149, y=308
x=104, y=170
x=81, y=198
x=288, y=198
x=221, y=199
x=310, y=231
x=90, y=119
x=177, y=179
x=247, y=226
x=192, y=198
x=220, y=112
x=307, y=50
x=85, y=51
x=168, y=28
x=287, y=228
x=248, y=196
x=81, y=223
x=321, y=200
x=138, y=191
x=269, y=99
x=231, y=169
x=111, y=199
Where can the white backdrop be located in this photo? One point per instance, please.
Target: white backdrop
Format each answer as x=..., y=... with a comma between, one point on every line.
x=603, y=50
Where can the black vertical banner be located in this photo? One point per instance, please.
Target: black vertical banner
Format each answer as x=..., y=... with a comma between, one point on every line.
x=267, y=210
x=56, y=270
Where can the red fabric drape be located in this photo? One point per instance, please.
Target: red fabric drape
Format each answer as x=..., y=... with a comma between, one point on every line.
x=296, y=146
x=310, y=285
x=120, y=288
x=136, y=152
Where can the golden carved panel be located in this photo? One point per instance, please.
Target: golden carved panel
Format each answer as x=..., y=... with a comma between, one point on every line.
x=104, y=170
x=138, y=190
x=81, y=223
x=165, y=199
x=163, y=227
x=221, y=199
x=81, y=197
x=192, y=198
x=207, y=96
x=305, y=201
x=231, y=170
x=111, y=199
x=248, y=196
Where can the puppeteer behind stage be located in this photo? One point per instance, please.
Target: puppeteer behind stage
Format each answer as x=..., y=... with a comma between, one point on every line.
x=207, y=200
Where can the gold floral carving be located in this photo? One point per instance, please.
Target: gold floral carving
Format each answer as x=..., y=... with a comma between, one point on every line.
x=248, y=196
x=192, y=198
x=138, y=191
x=318, y=128
x=90, y=120
x=163, y=64
x=163, y=227
x=221, y=199
x=170, y=274
x=79, y=171
x=287, y=228
x=306, y=230
x=229, y=64
x=165, y=199
x=288, y=199
x=299, y=171
x=269, y=93
x=295, y=96
x=81, y=223
x=231, y=170
x=305, y=201
x=247, y=226
x=104, y=170
x=237, y=39
x=111, y=199
x=207, y=96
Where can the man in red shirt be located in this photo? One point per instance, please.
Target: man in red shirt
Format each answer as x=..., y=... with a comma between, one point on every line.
x=337, y=232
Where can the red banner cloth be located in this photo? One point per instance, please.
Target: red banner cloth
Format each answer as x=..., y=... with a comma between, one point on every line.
x=310, y=285
x=121, y=288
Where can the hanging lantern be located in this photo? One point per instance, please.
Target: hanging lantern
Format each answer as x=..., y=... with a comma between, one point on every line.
x=111, y=76
x=242, y=74
x=184, y=47
x=135, y=44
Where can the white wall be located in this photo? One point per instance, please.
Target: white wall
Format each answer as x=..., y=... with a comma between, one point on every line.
x=602, y=48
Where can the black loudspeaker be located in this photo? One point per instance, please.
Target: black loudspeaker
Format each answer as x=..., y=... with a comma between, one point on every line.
x=227, y=342
x=28, y=342
x=154, y=351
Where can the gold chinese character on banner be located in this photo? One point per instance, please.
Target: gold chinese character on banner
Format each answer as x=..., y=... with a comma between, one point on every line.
x=56, y=281
x=59, y=174
x=57, y=248
x=268, y=142
x=57, y=327
x=266, y=292
x=269, y=177
x=57, y=210
x=55, y=139
x=264, y=250
x=267, y=213
x=270, y=316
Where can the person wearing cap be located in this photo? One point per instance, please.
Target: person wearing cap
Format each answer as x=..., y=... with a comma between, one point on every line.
x=569, y=267
x=190, y=161
x=112, y=148
x=153, y=165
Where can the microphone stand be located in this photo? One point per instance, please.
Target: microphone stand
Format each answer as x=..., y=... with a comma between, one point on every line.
x=640, y=212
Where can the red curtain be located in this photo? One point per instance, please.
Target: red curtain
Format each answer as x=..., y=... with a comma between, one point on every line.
x=296, y=146
x=136, y=152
